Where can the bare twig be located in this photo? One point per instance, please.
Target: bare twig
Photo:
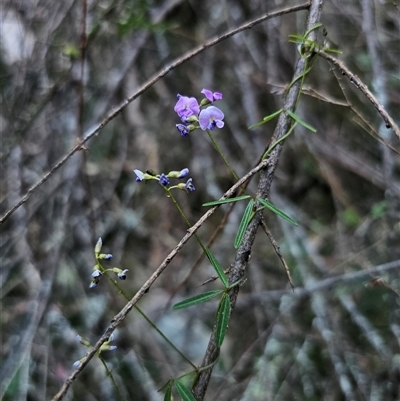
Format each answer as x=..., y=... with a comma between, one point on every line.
x=277, y=251
x=326, y=284
x=364, y=89
x=143, y=89
x=81, y=86
x=367, y=125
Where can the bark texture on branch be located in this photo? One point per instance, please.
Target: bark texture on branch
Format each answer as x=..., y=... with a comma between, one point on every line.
x=238, y=266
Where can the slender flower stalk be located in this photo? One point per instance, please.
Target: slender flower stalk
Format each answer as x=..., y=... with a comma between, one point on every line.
x=149, y=321
x=218, y=149
x=182, y=213
x=111, y=376
x=207, y=119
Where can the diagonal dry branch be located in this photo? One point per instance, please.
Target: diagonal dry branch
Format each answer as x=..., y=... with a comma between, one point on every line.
x=326, y=284
x=390, y=123
x=145, y=287
x=80, y=145
x=242, y=257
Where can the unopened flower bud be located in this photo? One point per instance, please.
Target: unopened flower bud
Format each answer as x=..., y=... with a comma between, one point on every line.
x=107, y=347
x=84, y=341
x=191, y=119
x=105, y=256
x=76, y=364
x=94, y=282
x=178, y=174
x=96, y=273
x=98, y=246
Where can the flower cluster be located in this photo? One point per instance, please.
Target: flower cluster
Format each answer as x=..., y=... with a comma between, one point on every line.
x=193, y=116
x=104, y=347
x=99, y=270
x=164, y=179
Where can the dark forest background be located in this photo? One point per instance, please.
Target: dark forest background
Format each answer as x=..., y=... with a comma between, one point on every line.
x=336, y=337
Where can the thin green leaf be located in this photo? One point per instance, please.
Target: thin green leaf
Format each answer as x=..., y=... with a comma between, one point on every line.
x=277, y=211
x=184, y=392
x=329, y=50
x=197, y=299
x=266, y=119
x=229, y=200
x=217, y=268
x=168, y=393
x=273, y=115
x=242, y=280
x=300, y=121
x=224, y=310
x=298, y=78
x=312, y=29
x=247, y=215
x=297, y=38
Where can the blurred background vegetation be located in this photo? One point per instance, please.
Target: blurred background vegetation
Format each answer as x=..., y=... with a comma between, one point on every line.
x=337, y=337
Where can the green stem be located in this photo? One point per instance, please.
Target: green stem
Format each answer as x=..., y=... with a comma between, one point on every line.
x=307, y=69
x=175, y=202
x=109, y=373
x=151, y=323
x=164, y=337
x=218, y=149
x=269, y=150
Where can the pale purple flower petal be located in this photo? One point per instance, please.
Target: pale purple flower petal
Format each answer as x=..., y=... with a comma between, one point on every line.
x=183, y=129
x=183, y=173
x=187, y=106
x=211, y=96
x=163, y=180
x=210, y=118
x=139, y=174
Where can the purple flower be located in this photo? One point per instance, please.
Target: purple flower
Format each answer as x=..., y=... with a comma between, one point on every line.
x=211, y=96
x=105, y=256
x=189, y=185
x=183, y=173
x=183, y=129
x=140, y=175
x=210, y=118
x=122, y=275
x=163, y=180
x=97, y=273
x=186, y=106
